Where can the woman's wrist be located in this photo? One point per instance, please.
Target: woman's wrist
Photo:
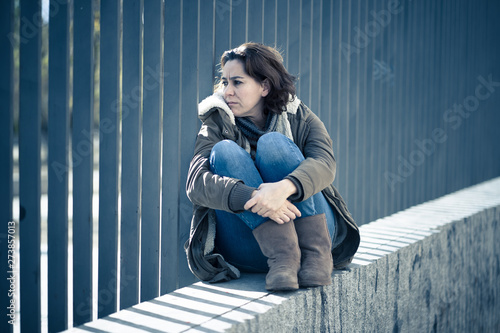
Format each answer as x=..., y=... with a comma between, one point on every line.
x=289, y=187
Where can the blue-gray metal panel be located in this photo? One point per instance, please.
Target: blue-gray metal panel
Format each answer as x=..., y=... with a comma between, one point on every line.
x=405, y=106
x=151, y=153
x=6, y=162
x=492, y=116
x=395, y=79
x=371, y=117
x=83, y=159
x=470, y=126
x=304, y=84
x=293, y=49
x=171, y=187
x=440, y=107
x=381, y=141
x=426, y=101
x=131, y=153
x=435, y=112
x=325, y=66
x=422, y=131
x=108, y=157
x=336, y=31
x=269, y=22
x=346, y=58
x=446, y=93
x=254, y=25
x=207, y=58
x=353, y=118
x=359, y=192
x=238, y=22
x=58, y=128
x=315, y=58
x=366, y=114
x=470, y=74
x=189, y=126
x=475, y=121
x=29, y=167
x=222, y=27
x=386, y=111
x=373, y=108
x=282, y=29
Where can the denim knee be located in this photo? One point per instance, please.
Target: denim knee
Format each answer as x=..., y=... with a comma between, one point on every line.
x=223, y=154
x=270, y=141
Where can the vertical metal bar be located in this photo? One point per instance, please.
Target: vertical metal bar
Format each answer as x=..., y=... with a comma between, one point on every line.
x=315, y=53
x=305, y=53
x=223, y=27
x=269, y=22
x=189, y=124
x=171, y=187
x=7, y=225
x=336, y=33
x=416, y=178
x=108, y=156
x=293, y=52
x=254, y=23
x=385, y=129
x=436, y=113
x=238, y=23
x=30, y=164
x=131, y=153
x=206, y=59
x=368, y=128
x=396, y=81
x=83, y=159
x=361, y=138
x=347, y=58
x=380, y=143
x=151, y=153
x=446, y=92
x=325, y=65
x=282, y=29
x=352, y=120
x=58, y=162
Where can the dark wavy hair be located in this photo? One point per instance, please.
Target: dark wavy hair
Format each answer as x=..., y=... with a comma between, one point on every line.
x=263, y=62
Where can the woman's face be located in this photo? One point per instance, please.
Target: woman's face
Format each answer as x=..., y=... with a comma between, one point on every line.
x=242, y=93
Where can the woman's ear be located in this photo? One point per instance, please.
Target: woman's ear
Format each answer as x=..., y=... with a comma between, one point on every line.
x=266, y=87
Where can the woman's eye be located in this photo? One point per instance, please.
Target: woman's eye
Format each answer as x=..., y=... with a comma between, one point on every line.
x=237, y=83
x=224, y=83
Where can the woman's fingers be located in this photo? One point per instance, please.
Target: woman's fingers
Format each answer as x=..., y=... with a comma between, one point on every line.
x=292, y=209
x=286, y=213
x=250, y=204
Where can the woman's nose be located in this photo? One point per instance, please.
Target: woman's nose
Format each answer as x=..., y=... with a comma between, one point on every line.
x=228, y=90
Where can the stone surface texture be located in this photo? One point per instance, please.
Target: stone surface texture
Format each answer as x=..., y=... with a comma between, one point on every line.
x=434, y=267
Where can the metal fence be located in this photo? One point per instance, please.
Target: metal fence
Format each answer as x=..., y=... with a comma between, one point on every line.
x=98, y=120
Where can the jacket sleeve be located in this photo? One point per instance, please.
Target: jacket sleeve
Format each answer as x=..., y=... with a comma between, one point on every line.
x=318, y=169
x=203, y=187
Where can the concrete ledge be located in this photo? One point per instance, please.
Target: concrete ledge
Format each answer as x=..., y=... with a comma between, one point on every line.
x=432, y=267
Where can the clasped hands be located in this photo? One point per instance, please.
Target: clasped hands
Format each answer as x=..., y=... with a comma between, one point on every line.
x=271, y=200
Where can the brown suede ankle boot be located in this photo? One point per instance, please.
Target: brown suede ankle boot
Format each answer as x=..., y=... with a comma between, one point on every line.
x=315, y=246
x=279, y=244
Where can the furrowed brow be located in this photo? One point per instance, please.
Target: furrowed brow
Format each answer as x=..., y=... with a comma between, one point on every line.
x=233, y=78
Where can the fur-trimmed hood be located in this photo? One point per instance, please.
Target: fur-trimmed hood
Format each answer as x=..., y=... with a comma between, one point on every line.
x=216, y=101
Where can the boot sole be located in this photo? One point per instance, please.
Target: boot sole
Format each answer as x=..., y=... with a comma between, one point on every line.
x=309, y=284
x=283, y=288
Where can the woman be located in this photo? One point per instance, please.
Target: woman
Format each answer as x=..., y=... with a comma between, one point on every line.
x=261, y=181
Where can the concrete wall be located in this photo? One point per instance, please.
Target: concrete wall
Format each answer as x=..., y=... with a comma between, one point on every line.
x=434, y=267
x=445, y=282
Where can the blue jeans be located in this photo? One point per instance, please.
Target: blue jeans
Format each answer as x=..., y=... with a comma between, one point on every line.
x=276, y=157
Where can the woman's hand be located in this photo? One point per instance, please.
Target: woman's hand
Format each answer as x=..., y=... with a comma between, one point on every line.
x=270, y=200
